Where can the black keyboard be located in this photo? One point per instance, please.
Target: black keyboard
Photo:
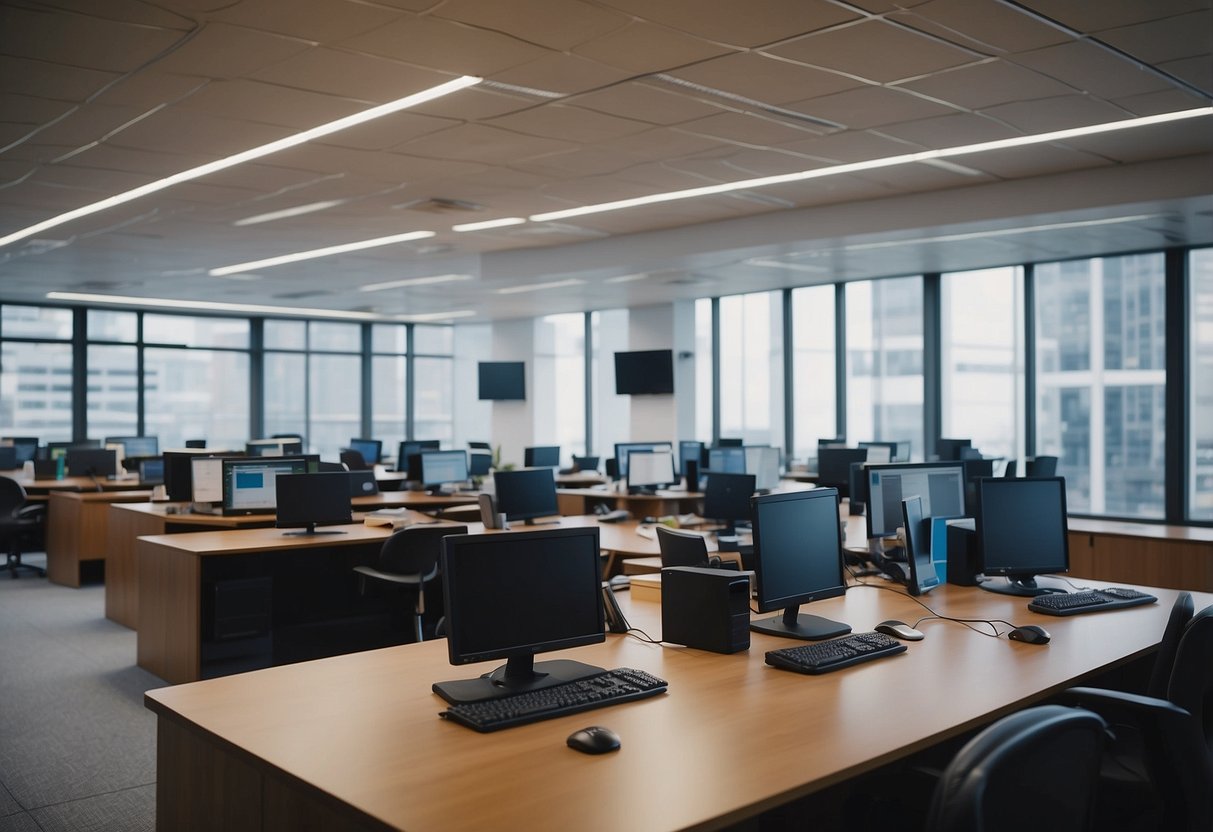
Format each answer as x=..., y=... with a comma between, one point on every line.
x=608, y=688
x=835, y=654
x=1089, y=600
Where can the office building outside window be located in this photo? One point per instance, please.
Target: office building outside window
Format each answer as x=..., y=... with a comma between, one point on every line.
x=814, y=402
x=113, y=373
x=612, y=413
x=434, y=383
x=334, y=401
x=559, y=383
x=1200, y=392
x=389, y=384
x=36, y=372
x=751, y=368
x=1101, y=381
x=884, y=343
x=981, y=347
x=703, y=371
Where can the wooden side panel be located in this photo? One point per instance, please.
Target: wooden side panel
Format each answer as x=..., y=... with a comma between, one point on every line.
x=64, y=522
x=289, y=807
x=1144, y=561
x=200, y=787
x=169, y=612
x=121, y=573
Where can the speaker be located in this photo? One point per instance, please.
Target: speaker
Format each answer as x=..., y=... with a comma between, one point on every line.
x=708, y=609
x=692, y=475
x=963, y=561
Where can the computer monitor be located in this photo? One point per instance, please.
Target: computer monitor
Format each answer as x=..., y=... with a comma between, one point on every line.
x=273, y=447
x=650, y=470
x=834, y=467
x=922, y=577
x=306, y=501
x=206, y=477
x=880, y=453
x=526, y=494
x=726, y=499
x=8, y=458
x=623, y=448
x=549, y=586
x=407, y=454
x=586, y=464
x=688, y=451
x=479, y=464
x=363, y=484
x=543, y=456
x=480, y=446
x=249, y=484
x=151, y=470
x=727, y=460
x=439, y=468
x=797, y=559
x=370, y=449
x=949, y=449
x=26, y=447
x=54, y=450
x=1021, y=533
x=857, y=490
x=940, y=484
x=91, y=462
x=732, y=442
x=136, y=446
x=178, y=473
x=763, y=462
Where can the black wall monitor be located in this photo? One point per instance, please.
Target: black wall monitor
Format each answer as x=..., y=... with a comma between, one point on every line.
x=309, y=500
x=502, y=380
x=1021, y=533
x=646, y=372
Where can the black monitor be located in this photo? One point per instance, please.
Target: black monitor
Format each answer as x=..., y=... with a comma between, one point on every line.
x=586, y=464
x=136, y=446
x=363, y=484
x=480, y=446
x=1021, y=533
x=949, y=449
x=729, y=442
x=651, y=470
x=479, y=464
x=797, y=559
x=623, y=448
x=726, y=499
x=25, y=447
x=552, y=580
x=727, y=460
x=370, y=449
x=8, y=458
x=249, y=484
x=91, y=462
x=645, y=372
x=688, y=451
x=151, y=470
x=502, y=380
x=526, y=494
x=280, y=446
x=922, y=576
x=857, y=490
x=309, y=500
x=834, y=467
x=940, y=484
x=54, y=450
x=178, y=474
x=543, y=456
x=407, y=453
x=439, y=468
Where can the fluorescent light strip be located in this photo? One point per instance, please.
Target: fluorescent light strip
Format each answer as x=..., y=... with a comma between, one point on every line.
x=414, y=281
x=628, y=278
x=247, y=156
x=487, y=224
x=212, y=306
x=327, y=251
x=535, y=287
x=286, y=213
x=430, y=317
x=872, y=164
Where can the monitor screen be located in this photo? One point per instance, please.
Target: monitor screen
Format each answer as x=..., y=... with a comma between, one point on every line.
x=26, y=447
x=834, y=467
x=797, y=559
x=178, y=474
x=728, y=460
x=206, y=473
x=8, y=458
x=646, y=372
x=688, y=451
x=1021, y=532
x=622, y=449
x=151, y=470
x=407, y=454
x=940, y=484
x=502, y=380
x=310, y=500
x=136, y=446
x=441, y=467
x=922, y=576
x=91, y=462
x=526, y=494
x=880, y=453
x=510, y=596
x=249, y=484
x=479, y=464
x=763, y=462
x=650, y=470
x=544, y=456
x=726, y=497
x=370, y=449
x=949, y=449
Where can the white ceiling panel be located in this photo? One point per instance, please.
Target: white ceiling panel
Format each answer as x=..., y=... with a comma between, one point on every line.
x=1058, y=113
x=852, y=146
x=1032, y=161
x=871, y=107
x=668, y=143
x=218, y=50
x=196, y=133
x=645, y=102
x=1089, y=69
x=358, y=77
x=749, y=24
x=642, y=47
x=445, y=46
x=1151, y=142
x=948, y=131
x=153, y=163
x=993, y=26
x=483, y=143
x=49, y=80
x=750, y=130
x=1113, y=14
x=569, y=124
x=766, y=79
x=561, y=73
x=1157, y=41
x=269, y=104
x=1196, y=71
x=81, y=40
x=1167, y=101
x=555, y=24
x=316, y=22
x=988, y=84
x=476, y=103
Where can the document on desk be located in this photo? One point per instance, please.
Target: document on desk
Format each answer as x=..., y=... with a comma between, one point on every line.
x=394, y=517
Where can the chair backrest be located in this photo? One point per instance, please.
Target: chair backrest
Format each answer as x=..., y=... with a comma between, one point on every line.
x=353, y=460
x=331, y=467
x=1037, y=769
x=1041, y=466
x=680, y=548
x=12, y=497
x=1191, y=685
x=1164, y=659
x=414, y=550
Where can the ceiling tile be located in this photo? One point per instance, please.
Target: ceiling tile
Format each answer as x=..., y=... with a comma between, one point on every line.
x=988, y=84
x=556, y=24
x=1034, y=160
x=645, y=102
x=873, y=50
x=749, y=24
x=476, y=103
x=1182, y=36
x=1153, y=103
x=948, y=131
x=316, y=22
x=169, y=131
x=1087, y=68
x=1154, y=142
x=1196, y=71
x=151, y=88
x=358, y=77
x=30, y=110
x=44, y=80
x=1059, y=113
x=852, y=146
x=389, y=167
x=388, y=132
x=81, y=40
x=130, y=11
x=481, y=143
x=88, y=123
x=154, y=163
x=1112, y=14
x=583, y=161
x=765, y=79
x=566, y=74
x=665, y=143
x=445, y=46
x=984, y=26
x=269, y=104
x=569, y=124
x=643, y=48
x=870, y=107
x=747, y=129
x=222, y=51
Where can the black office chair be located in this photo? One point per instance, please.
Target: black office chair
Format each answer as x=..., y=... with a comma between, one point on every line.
x=680, y=548
x=410, y=558
x=1164, y=660
x=20, y=522
x=353, y=460
x=585, y=463
x=1037, y=769
x=1041, y=466
x=1010, y=469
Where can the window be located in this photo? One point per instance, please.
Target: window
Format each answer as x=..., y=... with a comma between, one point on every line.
x=285, y=397
x=1200, y=392
x=197, y=394
x=36, y=374
x=982, y=379
x=814, y=401
x=389, y=384
x=113, y=391
x=751, y=368
x=559, y=383
x=703, y=371
x=334, y=402
x=434, y=389
x=884, y=342
x=1101, y=381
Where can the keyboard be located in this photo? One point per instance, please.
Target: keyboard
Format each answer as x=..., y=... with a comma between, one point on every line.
x=835, y=654
x=608, y=688
x=1089, y=600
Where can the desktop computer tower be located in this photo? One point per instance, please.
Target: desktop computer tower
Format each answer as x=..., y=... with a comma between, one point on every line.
x=963, y=563
x=692, y=475
x=708, y=609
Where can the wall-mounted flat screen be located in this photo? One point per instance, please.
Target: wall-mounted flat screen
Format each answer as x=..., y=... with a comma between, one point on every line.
x=647, y=372
x=503, y=380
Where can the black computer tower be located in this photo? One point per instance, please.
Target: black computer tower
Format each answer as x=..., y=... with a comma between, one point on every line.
x=963, y=563
x=708, y=609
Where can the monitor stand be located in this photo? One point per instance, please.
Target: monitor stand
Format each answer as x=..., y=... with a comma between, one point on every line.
x=518, y=675
x=794, y=625
x=1021, y=587
x=531, y=521
x=312, y=530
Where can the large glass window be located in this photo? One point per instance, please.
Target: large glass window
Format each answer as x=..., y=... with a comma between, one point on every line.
x=334, y=402
x=1200, y=391
x=36, y=375
x=814, y=401
x=113, y=391
x=285, y=397
x=1101, y=379
x=884, y=362
x=703, y=371
x=751, y=368
x=559, y=383
x=982, y=380
x=196, y=394
x=389, y=387
x=434, y=391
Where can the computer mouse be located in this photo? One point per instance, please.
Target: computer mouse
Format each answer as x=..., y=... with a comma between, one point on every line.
x=594, y=740
x=899, y=629
x=1030, y=633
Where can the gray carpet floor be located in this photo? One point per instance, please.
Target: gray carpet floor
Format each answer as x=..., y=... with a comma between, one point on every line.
x=77, y=747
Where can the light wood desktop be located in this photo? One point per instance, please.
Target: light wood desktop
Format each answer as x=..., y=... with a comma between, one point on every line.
x=354, y=742
x=36, y=488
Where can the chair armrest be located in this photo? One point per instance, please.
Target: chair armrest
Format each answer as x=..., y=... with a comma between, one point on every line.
x=393, y=577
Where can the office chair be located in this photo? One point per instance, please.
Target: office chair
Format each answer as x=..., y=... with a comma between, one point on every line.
x=1164, y=660
x=585, y=463
x=353, y=460
x=1037, y=769
x=331, y=467
x=1010, y=469
x=19, y=522
x=410, y=558
x=1041, y=466
x=679, y=548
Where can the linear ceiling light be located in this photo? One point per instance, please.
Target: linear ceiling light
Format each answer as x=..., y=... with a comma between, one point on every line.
x=247, y=156
x=327, y=251
x=535, y=287
x=872, y=164
x=212, y=306
x=432, y=317
x=414, y=281
x=286, y=213
x=487, y=224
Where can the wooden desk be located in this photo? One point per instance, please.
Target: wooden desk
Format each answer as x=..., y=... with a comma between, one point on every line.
x=76, y=523
x=40, y=487
x=581, y=479
x=1180, y=557
x=354, y=742
x=575, y=501
x=417, y=500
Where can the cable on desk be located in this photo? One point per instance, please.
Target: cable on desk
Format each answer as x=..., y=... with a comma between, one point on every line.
x=967, y=622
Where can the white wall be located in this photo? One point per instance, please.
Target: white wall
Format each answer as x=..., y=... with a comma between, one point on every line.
x=513, y=422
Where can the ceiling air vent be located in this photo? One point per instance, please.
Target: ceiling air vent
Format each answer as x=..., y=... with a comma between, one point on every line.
x=438, y=205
